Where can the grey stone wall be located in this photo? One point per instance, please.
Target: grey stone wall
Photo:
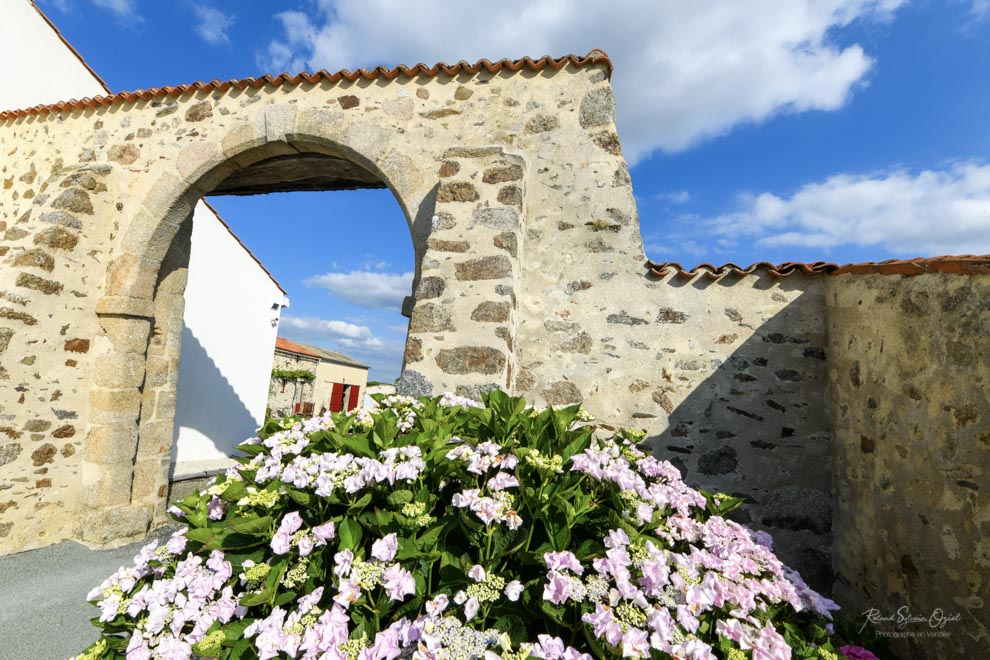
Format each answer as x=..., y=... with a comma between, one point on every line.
x=95, y=197
x=909, y=368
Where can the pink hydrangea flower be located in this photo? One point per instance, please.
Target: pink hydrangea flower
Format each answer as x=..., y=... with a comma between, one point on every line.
x=385, y=548
x=399, y=582
x=290, y=523
x=323, y=533
x=281, y=543
x=471, y=608
x=563, y=559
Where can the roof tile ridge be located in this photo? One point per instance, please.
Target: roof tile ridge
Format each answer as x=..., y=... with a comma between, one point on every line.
x=955, y=264
x=730, y=268
x=595, y=56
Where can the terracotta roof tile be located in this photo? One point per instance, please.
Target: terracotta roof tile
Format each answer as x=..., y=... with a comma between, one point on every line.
x=594, y=57
x=966, y=264
x=333, y=356
x=292, y=347
x=716, y=272
x=963, y=264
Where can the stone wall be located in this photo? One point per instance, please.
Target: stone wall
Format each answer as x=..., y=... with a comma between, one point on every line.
x=729, y=378
x=49, y=332
x=282, y=399
x=909, y=369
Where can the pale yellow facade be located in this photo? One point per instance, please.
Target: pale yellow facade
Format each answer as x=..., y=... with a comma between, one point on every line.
x=350, y=376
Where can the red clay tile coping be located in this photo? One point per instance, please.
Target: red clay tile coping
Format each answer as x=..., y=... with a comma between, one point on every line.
x=596, y=56
x=966, y=264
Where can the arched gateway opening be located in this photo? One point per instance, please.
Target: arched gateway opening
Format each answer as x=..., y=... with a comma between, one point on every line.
x=302, y=163
x=343, y=259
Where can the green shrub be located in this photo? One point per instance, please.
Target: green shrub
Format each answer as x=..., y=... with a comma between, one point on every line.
x=440, y=528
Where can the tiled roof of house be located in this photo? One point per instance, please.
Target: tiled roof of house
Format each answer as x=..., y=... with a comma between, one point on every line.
x=292, y=347
x=317, y=352
x=339, y=358
x=380, y=72
x=966, y=264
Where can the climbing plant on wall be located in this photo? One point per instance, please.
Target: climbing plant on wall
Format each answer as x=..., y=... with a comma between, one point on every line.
x=292, y=374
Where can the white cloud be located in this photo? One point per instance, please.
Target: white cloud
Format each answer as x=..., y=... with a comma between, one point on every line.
x=366, y=288
x=980, y=8
x=674, y=246
x=674, y=196
x=123, y=8
x=356, y=341
x=347, y=334
x=212, y=24
x=684, y=71
x=924, y=214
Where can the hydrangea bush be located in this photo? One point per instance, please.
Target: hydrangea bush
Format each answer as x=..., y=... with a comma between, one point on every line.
x=445, y=528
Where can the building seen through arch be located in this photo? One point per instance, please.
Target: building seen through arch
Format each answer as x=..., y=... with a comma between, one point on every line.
x=308, y=380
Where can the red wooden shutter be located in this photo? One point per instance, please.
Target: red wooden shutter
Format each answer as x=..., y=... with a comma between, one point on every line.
x=353, y=403
x=337, y=398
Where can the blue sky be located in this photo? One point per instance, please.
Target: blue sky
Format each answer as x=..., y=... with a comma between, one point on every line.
x=777, y=130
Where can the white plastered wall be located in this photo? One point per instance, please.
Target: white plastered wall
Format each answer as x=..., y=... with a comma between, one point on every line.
x=38, y=67
x=228, y=339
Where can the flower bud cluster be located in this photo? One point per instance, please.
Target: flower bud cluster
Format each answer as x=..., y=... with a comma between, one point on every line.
x=263, y=498
x=417, y=511
x=546, y=464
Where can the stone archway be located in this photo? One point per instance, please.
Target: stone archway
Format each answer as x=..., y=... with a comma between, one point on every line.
x=145, y=328
x=493, y=165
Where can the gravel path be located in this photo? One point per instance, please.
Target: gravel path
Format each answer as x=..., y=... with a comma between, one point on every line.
x=43, y=610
